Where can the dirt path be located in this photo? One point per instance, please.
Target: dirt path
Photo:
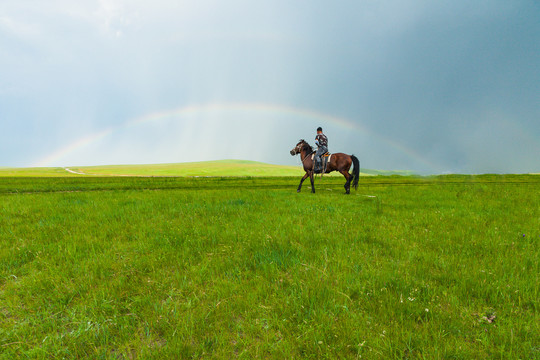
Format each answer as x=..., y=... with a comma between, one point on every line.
x=74, y=172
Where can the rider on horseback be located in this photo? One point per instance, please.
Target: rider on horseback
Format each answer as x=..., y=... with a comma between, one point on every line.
x=322, y=143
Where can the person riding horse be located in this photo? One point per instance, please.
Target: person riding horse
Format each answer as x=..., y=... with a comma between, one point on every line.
x=322, y=148
x=338, y=162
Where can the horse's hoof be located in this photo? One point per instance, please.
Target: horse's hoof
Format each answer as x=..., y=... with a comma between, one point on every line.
x=298, y=190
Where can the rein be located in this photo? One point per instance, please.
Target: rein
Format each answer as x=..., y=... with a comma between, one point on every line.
x=307, y=156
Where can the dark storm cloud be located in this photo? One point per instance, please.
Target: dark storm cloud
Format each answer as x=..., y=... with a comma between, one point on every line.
x=456, y=82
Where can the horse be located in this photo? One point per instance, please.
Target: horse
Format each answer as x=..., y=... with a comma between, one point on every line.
x=338, y=162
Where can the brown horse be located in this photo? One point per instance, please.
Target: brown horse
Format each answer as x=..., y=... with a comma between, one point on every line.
x=339, y=162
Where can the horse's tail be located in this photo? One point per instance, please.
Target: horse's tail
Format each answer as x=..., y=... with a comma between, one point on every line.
x=356, y=171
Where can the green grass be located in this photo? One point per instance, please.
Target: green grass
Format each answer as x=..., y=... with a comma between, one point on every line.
x=406, y=267
x=33, y=172
x=203, y=168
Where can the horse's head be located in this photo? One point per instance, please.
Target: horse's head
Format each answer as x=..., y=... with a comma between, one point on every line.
x=302, y=144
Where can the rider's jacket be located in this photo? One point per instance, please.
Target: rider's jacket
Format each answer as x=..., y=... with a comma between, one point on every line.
x=321, y=140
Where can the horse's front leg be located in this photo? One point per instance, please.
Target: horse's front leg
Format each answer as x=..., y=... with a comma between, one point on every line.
x=312, y=182
x=301, y=181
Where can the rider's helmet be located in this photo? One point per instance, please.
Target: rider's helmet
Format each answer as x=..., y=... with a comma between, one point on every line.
x=319, y=129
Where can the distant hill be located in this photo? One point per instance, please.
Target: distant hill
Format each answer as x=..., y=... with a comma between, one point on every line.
x=203, y=168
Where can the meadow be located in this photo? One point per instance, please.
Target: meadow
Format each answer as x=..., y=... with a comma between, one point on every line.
x=219, y=168
x=244, y=267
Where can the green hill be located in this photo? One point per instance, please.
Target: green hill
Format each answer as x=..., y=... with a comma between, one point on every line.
x=203, y=168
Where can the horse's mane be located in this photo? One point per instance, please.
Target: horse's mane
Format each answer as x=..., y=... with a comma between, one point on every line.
x=306, y=146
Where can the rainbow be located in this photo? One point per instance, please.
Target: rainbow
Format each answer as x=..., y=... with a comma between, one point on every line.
x=56, y=157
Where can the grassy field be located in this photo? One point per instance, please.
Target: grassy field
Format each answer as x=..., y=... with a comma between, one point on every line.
x=405, y=267
x=33, y=172
x=203, y=168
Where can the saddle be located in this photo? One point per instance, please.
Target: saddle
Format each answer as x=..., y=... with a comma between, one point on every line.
x=326, y=157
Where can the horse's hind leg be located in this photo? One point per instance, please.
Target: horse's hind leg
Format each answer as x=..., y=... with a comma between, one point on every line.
x=301, y=181
x=348, y=177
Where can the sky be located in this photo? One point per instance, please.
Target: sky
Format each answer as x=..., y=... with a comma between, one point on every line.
x=427, y=86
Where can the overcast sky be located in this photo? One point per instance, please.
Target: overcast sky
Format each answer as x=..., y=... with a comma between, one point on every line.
x=429, y=86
